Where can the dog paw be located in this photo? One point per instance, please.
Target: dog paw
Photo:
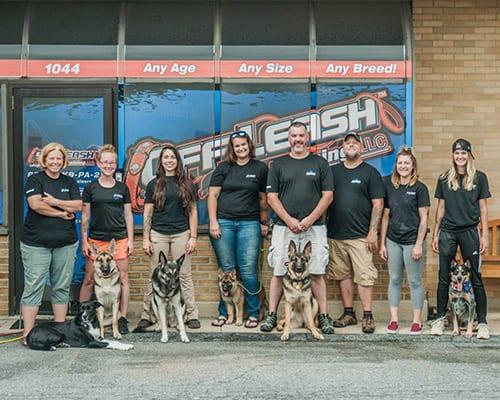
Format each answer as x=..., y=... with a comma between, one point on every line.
x=117, y=336
x=184, y=339
x=127, y=347
x=101, y=337
x=319, y=336
x=468, y=335
x=53, y=348
x=164, y=339
x=284, y=337
x=238, y=323
x=456, y=333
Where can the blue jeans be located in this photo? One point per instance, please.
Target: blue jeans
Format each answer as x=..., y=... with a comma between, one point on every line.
x=239, y=247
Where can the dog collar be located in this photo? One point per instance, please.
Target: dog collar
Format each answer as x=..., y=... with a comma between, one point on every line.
x=299, y=283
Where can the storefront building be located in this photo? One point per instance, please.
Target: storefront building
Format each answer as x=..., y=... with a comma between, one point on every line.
x=142, y=74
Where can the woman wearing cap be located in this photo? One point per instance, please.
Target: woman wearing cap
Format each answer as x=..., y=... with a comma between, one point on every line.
x=461, y=192
x=49, y=241
x=403, y=231
x=237, y=208
x=106, y=206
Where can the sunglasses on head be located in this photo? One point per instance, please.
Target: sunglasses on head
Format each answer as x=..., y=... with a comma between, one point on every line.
x=238, y=134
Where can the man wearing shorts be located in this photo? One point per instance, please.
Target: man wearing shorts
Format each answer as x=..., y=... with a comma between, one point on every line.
x=299, y=190
x=353, y=221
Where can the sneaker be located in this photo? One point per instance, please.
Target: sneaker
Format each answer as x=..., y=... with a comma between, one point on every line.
x=270, y=322
x=123, y=325
x=345, y=320
x=142, y=325
x=325, y=324
x=416, y=329
x=393, y=327
x=483, y=332
x=437, y=326
x=368, y=325
x=193, y=324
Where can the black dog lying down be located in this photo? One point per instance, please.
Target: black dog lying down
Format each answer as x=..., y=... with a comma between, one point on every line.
x=82, y=331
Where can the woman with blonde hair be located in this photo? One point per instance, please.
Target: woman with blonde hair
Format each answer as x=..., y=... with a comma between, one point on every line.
x=49, y=240
x=108, y=214
x=403, y=232
x=462, y=192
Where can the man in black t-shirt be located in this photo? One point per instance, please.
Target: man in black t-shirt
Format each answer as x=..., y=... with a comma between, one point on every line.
x=299, y=190
x=353, y=221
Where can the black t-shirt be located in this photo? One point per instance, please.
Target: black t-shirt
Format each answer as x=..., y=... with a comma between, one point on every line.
x=403, y=204
x=462, y=207
x=240, y=187
x=106, y=210
x=299, y=184
x=350, y=213
x=172, y=218
x=49, y=232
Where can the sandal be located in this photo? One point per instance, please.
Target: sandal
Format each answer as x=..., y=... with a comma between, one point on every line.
x=251, y=322
x=219, y=321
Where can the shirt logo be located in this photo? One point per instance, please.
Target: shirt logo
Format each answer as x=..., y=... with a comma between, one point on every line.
x=268, y=187
x=29, y=191
x=356, y=180
x=310, y=173
x=117, y=196
x=64, y=190
x=251, y=176
x=411, y=193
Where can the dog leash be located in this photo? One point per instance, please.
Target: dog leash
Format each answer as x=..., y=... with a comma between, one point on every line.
x=11, y=340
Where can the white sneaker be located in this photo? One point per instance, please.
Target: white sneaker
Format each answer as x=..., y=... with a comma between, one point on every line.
x=483, y=332
x=437, y=327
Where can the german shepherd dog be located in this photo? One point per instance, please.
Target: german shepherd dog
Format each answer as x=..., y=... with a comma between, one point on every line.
x=300, y=305
x=82, y=331
x=107, y=287
x=461, y=297
x=167, y=295
x=231, y=292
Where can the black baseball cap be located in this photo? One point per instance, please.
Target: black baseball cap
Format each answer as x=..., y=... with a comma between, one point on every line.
x=462, y=144
x=354, y=135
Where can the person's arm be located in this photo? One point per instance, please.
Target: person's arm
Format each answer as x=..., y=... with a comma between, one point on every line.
x=193, y=229
x=129, y=222
x=213, y=197
x=277, y=206
x=437, y=225
x=37, y=204
x=320, y=209
x=70, y=206
x=418, y=250
x=484, y=241
x=264, y=223
x=84, y=229
x=384, y=226
x=146, y=228
x=377, y=209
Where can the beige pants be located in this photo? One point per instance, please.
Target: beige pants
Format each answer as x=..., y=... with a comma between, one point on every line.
x=173, y=246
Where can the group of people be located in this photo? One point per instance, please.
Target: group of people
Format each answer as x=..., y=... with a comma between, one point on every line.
x=339, y=209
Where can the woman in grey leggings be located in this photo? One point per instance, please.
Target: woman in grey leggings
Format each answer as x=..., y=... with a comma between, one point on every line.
x=403, y=231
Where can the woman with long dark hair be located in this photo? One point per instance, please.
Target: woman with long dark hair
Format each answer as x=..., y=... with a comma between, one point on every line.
x=237, y=208
x=402, y=236
x=170, y=225
x=461, y=220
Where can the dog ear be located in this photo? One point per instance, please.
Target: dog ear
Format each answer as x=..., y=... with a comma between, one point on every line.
x=232, y=273
x=111, y=247
x=292, y=249
x=180, y=260
x=308, y=248
x=97, y=304
x=467, y=264
x=162, y=258
x=220, y=273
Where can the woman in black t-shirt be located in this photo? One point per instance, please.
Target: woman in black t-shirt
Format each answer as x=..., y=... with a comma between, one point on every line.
x=402, y=234
x=171, y=225
x=106, y=206
x=461, y=192
x=49, y=241
x=237, y=208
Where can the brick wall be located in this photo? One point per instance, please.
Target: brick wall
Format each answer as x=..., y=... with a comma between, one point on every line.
x=457, y=93
x=4, y=275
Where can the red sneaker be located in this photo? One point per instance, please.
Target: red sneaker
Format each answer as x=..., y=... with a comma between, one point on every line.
x=393, y=327
x=416, y=329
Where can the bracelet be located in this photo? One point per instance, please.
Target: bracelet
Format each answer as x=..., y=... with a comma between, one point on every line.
x=193, y=237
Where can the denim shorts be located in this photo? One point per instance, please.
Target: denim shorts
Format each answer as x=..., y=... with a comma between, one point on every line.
x=42, y=264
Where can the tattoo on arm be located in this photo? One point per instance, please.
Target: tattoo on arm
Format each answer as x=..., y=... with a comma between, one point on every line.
x=375, y=219
x=85, y=225
x=146, y=229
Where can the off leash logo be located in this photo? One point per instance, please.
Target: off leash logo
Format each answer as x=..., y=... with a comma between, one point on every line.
x=367, y=113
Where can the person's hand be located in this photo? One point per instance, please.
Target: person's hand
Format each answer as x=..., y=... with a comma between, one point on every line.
x=383, y=252
x=50, y=200
x=264, y=230
x=146, y=246
x=483, y=244
x=191, y=245
x=86, y=250
x=214, y=229
x=435, y=244
x=130, y=247
x=305, y=224
x=417, y=251
x=68, y=216
x=294, y=225
x=371, y=241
